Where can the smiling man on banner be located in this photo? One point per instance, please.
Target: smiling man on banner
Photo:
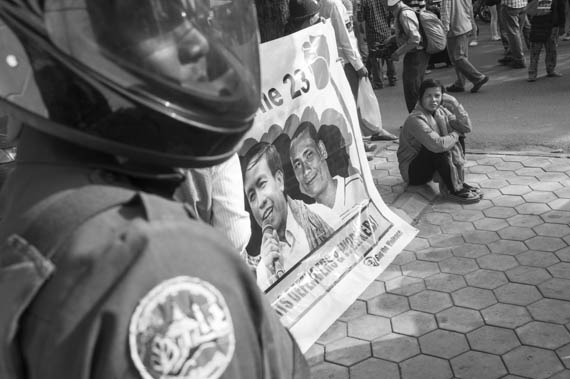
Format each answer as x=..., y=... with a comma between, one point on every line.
x=286, y=240
x=309, y=159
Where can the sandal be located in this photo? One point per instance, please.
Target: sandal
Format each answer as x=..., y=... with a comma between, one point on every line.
x=473, y=189
x=463, y=196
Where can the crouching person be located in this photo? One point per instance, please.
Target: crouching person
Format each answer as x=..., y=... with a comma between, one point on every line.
x=432, y=144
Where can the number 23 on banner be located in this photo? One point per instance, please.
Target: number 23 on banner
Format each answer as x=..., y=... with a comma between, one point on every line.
x=298, y=85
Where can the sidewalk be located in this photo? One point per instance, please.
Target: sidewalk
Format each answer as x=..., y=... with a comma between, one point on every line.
x=482, y=292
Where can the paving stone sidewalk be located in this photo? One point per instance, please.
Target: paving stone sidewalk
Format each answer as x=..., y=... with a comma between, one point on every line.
x=482, y=292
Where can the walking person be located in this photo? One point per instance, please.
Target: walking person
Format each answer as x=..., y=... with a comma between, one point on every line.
x=416, y=59
x=376, y=16
x=545, y=20
x=513, y=16
x=458, y=20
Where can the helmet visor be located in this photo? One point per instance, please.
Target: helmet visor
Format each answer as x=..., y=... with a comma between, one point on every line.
x=184, y=58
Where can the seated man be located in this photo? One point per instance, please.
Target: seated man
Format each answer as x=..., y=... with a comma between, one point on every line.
x=291, y=229
x=308, y=156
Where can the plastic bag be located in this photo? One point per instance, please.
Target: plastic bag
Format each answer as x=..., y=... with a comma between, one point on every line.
x=368, y=108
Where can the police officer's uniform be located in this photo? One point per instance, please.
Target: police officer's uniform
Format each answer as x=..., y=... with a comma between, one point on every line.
x=102, y=278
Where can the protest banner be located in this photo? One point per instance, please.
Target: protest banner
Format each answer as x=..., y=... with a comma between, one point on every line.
x=316, y=214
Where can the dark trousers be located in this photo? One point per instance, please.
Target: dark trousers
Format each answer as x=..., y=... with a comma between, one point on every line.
x=414, y=69
x=426, y=163
x=352, y=77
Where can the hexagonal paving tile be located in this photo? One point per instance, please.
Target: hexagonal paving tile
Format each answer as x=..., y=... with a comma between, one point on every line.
x=315, y=354
x=426, y=367
x=518, y=294
x=327, y=370
x=467, y=215
x=532, y=362
x=430, y=301
x=445, y=240
x=540, y=196
x=528, y=275
x=413, y=323
x=556, y=288
x=480, y=236
x=516, y=233
x=404, y=257
x=374, y=289
x=475, y=365
x=371, y=367
x=420, y=269
x=506, y=315
x=499, y=262
x=551, y=310
x=457, y=265
x=507, y=247
x=529, y=171
x=564, y=254
x=564, y=354
x=474, y=298
x=445, y=282
x=537, y=258
x=557, y=217
x=490, y=224
x=434, y=254
x=563, y=192
x=391, y=272
x=532, y=208
x=470, y=250
x=388, y=305
x=369, y=327
x=545, y=243
x=486, y=279
x=560, y=270
x=443, y=343
x=457, y=227
x=508, y=201
x=336, y=331
x=357, y=309
x=492, y=339
x=552, y=230
x=437, y=218
x=515, y=189
x=543, y=334
x=500, y=212
x=560, y=204
x=405, y=286
x=525, y=221
x=347, y=351
x=508, y=166
x=459, y=319
x=395, y=347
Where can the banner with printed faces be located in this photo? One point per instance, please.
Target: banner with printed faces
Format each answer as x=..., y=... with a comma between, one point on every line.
x=321, y=232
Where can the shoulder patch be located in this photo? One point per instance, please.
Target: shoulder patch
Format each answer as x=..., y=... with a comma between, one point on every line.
x=182, y=329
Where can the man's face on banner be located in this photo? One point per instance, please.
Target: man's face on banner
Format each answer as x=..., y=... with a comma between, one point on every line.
x=309, y=163
x=264, y=193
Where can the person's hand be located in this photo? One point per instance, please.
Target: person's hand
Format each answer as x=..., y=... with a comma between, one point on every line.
x=362, y=73
x=270, y=251
x=395, y=57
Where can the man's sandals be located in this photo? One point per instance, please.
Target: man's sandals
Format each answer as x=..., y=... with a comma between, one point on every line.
x=467, y=195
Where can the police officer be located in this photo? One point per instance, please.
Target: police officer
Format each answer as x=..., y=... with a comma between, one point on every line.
x=101, y=276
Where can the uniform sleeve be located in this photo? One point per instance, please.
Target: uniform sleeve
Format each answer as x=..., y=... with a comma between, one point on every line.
x=421, y=131
x=410, y=25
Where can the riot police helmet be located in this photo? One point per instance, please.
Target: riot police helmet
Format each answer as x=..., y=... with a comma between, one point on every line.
x=171, y=82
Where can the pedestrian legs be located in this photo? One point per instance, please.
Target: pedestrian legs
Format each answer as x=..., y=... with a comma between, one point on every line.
x=374, y=67
x=535, y=49
x=414, y=68
x=494, y=25
x=457, y=48
x=551, y=47
x=514, y=21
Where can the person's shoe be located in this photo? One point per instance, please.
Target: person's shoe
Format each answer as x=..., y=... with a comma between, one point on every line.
x=473, y=43
x=565, y=37
x=554, y=74
x=477, y=86
x=369, y=147
x=495, y=38
x=455, y=88
x=384, y=135
x=531, y=79
x=517, y=65
x=392, y=83
x=428, y=71
x=505, y=60
x=463, y=196
x=377, y=85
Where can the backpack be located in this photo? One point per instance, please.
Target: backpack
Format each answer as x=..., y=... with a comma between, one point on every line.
x=431, y=30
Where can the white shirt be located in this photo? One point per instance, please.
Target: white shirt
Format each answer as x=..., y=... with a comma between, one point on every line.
x=349, y=192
